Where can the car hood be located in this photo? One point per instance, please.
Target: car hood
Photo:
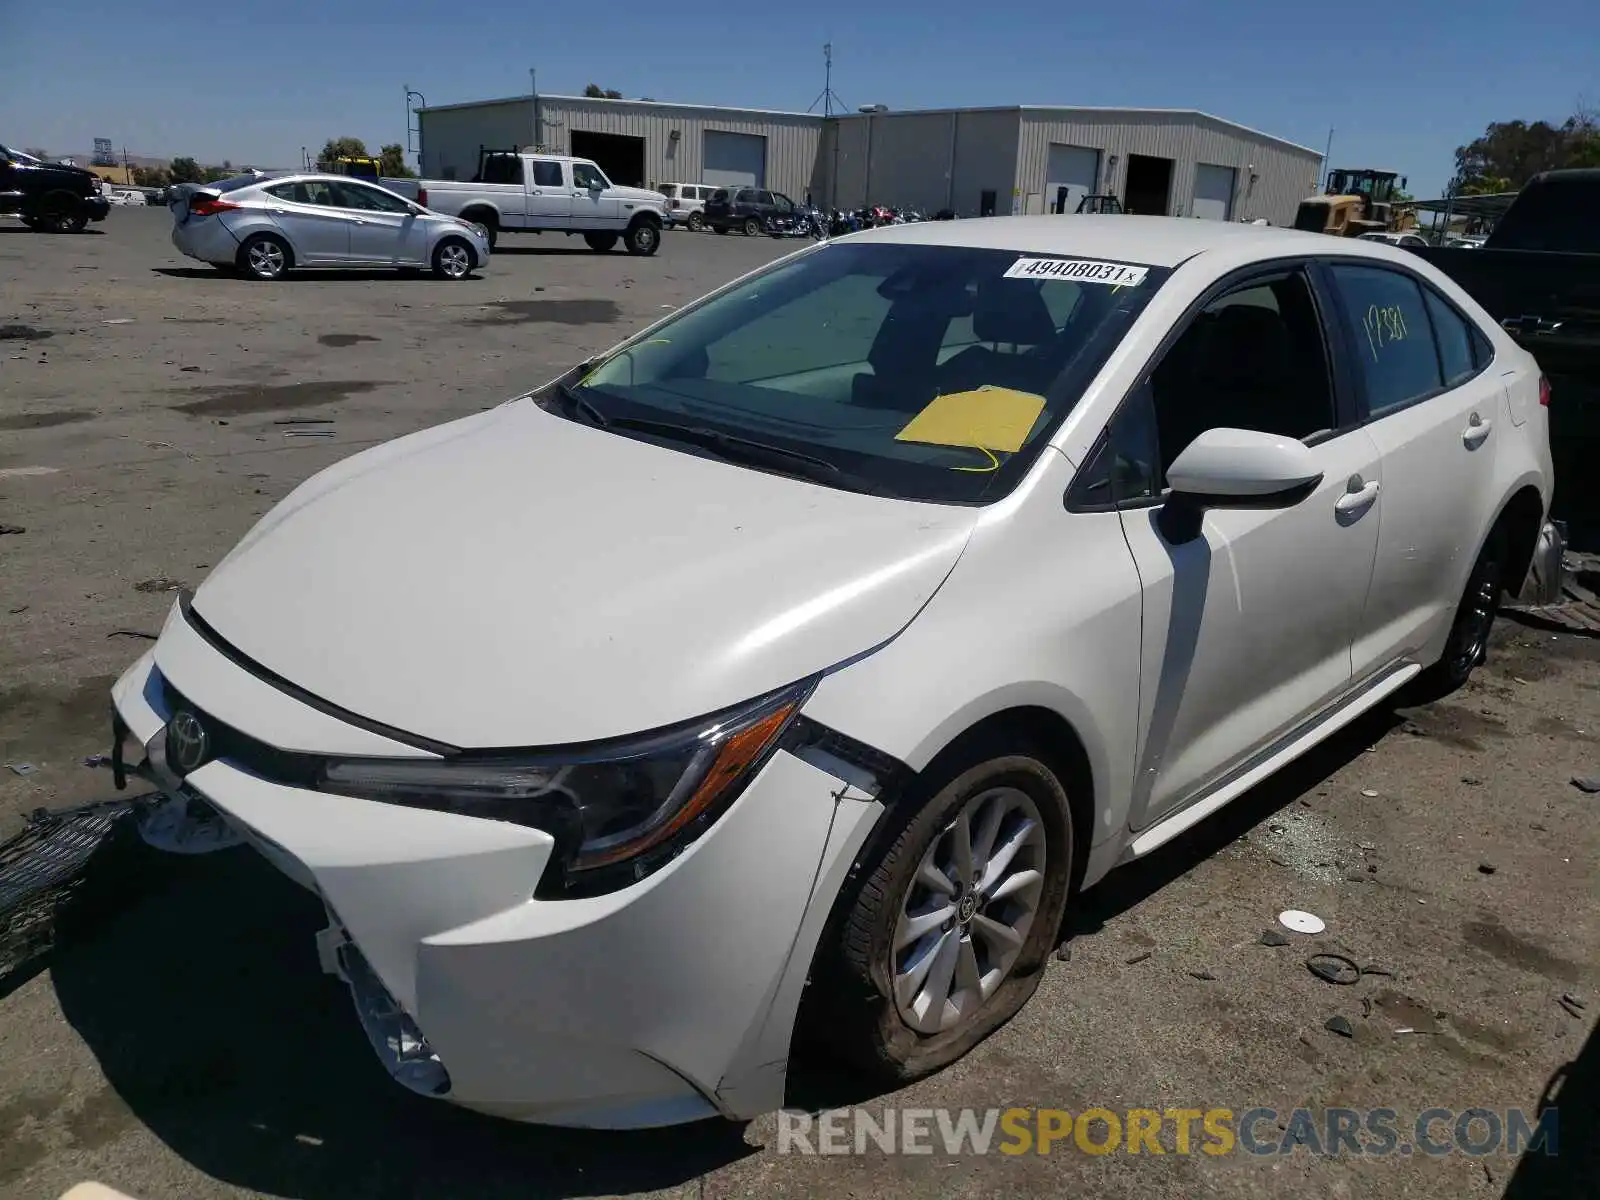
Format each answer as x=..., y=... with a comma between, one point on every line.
x=633, y=195
x=518, y=579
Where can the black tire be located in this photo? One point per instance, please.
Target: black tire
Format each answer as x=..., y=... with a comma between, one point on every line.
x=854, y=989
x=600, y=243
x=264, y=257
x=752, y=227
x=696, y=222
x=642, y=239
x=1468, y=643
x=453, y=259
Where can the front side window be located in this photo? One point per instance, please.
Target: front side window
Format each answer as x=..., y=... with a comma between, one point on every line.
x=1254, y=358
x=917, y=371
x=546, y=173
x=587, y=175
x=1392, y=334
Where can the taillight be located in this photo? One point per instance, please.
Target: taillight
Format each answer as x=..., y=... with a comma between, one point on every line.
x=209, y=206
x=1544, y=392
x=422, y=197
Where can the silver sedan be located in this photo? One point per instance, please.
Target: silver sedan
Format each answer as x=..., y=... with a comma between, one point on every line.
x=265, y=225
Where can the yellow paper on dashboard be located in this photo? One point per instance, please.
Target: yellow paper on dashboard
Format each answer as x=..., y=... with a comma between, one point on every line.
x=985, y=418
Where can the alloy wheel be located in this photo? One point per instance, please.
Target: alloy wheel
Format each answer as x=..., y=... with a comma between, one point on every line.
x=966, y=915
x=266, y=258
x=454, y=261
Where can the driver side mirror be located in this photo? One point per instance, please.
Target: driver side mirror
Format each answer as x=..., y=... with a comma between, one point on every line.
x=1235, y=468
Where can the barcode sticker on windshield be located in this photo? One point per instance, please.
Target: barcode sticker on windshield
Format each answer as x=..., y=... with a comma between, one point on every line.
x=1078, y=270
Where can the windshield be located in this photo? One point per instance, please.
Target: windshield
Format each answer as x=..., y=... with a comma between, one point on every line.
x=925, y=372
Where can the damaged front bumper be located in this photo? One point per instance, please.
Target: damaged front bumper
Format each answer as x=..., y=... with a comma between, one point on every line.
x=669, y=1000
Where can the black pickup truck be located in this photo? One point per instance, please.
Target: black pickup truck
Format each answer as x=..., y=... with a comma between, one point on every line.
x=49, y=196
x=1538, y=274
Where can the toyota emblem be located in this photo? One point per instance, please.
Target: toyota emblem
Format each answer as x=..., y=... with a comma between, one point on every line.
x=188, y=743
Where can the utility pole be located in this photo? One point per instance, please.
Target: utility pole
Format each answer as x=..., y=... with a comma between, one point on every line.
x=416, y=148
x=533, y=99
x=1327, y=157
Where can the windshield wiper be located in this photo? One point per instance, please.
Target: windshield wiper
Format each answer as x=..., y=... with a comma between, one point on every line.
x=582, y=407
x=737, y=449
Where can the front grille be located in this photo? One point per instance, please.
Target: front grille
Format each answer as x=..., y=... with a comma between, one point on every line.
x=239, y=749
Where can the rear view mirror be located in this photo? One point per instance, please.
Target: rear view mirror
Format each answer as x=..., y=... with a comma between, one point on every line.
x=1235, y=468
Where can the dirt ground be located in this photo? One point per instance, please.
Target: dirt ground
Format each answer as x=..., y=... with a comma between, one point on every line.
x=186, y=1045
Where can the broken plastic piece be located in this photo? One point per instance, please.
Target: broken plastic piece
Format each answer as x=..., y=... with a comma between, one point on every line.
x=1297, y=921
x=1586, y=783
x=22, y=768
x=186, y=825
x=1339, y=1025
x=1137, y=958
x=393, y=1035
x=1271, y=937
x=1333, y=968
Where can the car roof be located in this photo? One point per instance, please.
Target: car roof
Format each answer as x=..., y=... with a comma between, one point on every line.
x=1155, y=241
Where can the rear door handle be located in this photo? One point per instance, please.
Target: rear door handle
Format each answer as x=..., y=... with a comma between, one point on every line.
x=1476, y=431
x=1358, y=497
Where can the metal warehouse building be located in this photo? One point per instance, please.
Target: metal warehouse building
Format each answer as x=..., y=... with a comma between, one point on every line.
x=975, y=161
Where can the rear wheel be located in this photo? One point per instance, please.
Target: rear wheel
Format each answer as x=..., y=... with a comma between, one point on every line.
x=643, y=238
x=696, y=222
x=264, y=256
x=486, y=221
x=600, y=242
x=752, y=227
x=1468, y=643
x=452, y=259
x=947, y=933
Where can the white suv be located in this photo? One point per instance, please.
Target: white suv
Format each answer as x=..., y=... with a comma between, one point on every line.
x=686, y=202
x=905, y=587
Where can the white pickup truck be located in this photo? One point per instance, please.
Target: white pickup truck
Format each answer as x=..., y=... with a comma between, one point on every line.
x=549, y=193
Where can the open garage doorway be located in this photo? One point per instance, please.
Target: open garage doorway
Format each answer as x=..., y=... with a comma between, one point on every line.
x=1149, y=189
x=619, y=156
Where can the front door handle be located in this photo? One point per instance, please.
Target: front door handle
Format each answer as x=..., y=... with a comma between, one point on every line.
x=1476, y=431
x=1358, y=497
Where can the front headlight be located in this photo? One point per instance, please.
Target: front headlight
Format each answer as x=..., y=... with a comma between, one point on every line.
x=617, y=810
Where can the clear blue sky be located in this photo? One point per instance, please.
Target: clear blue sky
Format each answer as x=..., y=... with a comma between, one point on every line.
x=254, y=80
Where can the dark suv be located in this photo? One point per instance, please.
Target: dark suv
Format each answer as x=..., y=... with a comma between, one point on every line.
x=746, y=209
x=49, y=196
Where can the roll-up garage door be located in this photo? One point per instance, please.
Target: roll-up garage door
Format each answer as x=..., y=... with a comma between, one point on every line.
x=735, y=159
x=1073, y=168
x=1213, y=192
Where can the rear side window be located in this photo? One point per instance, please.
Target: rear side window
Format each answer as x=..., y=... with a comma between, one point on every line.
x=720, y=196
x=1454, y=335
x=746, y=196
x=1393, y=337
x=502, y=168
x=669, y=189
x=547, y=174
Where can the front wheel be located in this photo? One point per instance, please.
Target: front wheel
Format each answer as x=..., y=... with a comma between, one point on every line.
x=752, y=227
x=264, y=257
x=642, y=239
x=947, y=932
x=452, y=259
x=600, y=242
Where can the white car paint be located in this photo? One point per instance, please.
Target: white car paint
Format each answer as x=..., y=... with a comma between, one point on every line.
x=519, y=579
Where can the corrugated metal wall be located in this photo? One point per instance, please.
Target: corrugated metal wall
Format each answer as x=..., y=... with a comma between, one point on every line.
x=921, y=160
x=1284, y=175
x=451, y=136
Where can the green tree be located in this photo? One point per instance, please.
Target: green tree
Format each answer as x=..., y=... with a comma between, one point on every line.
x=185, y=170
x=392, y=162
x=151, y=177
x=213, y=174
x=595, y=92
x=342, y=147
x=1511, y=152
x=37, y=152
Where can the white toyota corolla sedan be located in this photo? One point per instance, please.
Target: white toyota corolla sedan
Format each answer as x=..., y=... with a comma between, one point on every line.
x=831, y=635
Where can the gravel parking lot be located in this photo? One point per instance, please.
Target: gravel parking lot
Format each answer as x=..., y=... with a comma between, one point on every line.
x=151, y=409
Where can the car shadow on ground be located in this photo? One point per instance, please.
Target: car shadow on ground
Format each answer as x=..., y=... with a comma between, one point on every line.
x=1574, y=1093
x=205, y=1007
x=19, y=228
x=203, y=1002
x=549, y=251
x=309, y=275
